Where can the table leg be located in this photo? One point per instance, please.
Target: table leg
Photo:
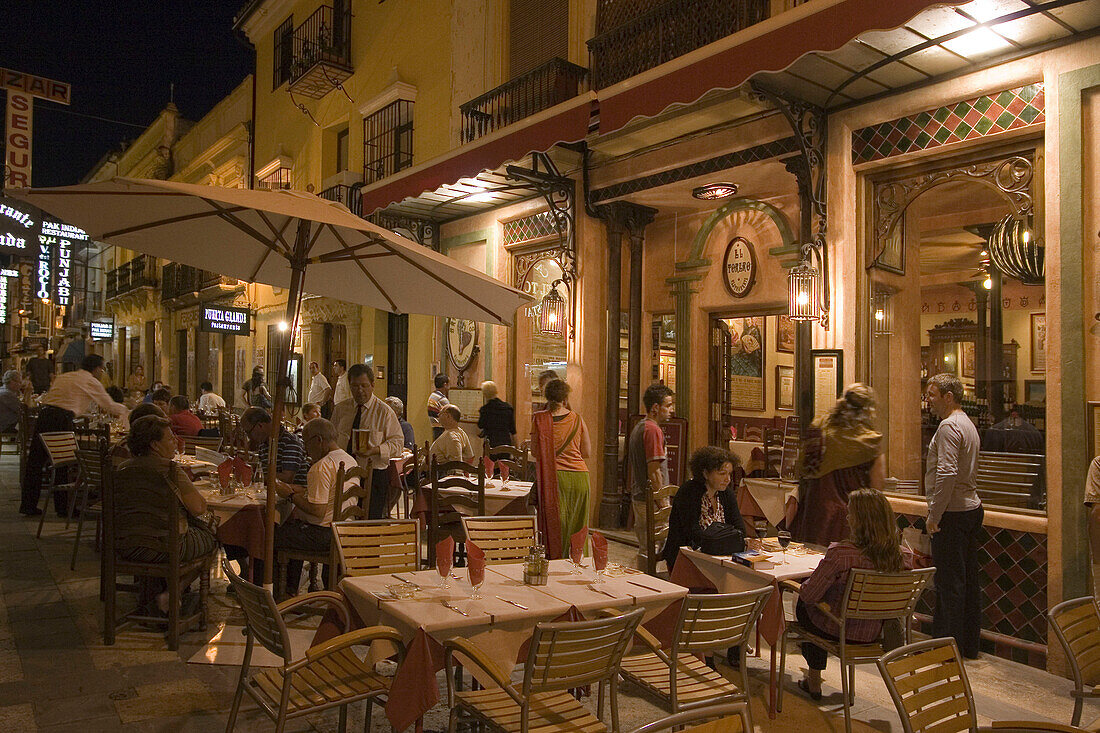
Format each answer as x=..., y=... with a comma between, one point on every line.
x=772, y=688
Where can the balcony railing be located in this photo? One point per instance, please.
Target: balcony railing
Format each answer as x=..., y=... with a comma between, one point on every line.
x=140, y=272
x=661, y=31
x=552, y=83
x=344, y=194
x=182, y=280
x=321, y=51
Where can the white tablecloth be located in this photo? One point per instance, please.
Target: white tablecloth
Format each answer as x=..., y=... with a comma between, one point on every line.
x=497, y=496
x=743, y=449
x=771, y=495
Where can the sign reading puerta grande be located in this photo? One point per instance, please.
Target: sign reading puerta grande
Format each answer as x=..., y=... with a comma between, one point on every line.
x=232, y=321
x=739, y=267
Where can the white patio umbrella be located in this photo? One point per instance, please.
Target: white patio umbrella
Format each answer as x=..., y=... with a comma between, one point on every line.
x=274, y=238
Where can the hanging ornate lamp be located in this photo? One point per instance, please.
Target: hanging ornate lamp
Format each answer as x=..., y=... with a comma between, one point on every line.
x=1016, y=252
x=552, y=320
x=803, y=292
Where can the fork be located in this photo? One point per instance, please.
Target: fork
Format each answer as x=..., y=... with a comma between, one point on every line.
x=456, y=609
x=600, y=590
x=508, y=600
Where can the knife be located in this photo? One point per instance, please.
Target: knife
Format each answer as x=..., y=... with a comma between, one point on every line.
x=395, y=576
x=655, y=590
x=600, y=590
x=517, y=605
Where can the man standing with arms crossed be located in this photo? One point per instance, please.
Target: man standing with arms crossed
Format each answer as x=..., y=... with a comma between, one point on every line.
x=955, y=516
x=648, y=460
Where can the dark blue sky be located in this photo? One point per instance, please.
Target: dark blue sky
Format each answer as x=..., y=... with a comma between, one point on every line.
x=120, y=56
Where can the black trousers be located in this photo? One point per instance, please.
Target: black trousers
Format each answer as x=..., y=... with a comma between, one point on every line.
x=958, y=611
x=816, y=657
x=294, y=534
x=50, y=420
x=379, y=494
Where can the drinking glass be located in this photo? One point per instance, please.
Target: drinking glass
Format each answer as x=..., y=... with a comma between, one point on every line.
x=576, y=556
x=503, y=474
x=444, y=569
x=784, y=538
x=599, y=560
x=477, y=577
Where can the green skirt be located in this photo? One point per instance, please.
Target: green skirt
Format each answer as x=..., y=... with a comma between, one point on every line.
x=573, y=494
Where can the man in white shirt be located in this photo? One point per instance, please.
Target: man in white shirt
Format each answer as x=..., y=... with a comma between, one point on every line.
x=307, y=528
x=365, y=411
x=71, y=395
x=342, y=391
x=453, y=444
x=320, y=391
x=210, y=401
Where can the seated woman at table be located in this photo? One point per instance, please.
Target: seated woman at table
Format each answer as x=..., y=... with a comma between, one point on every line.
x=703, y=499
x=153, y=445
x=120, y=451
x=452, y=444
x=873, y=545
x=848, y=457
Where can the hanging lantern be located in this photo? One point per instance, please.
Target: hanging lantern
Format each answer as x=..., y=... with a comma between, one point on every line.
x=552, y=312
x=882, y=316
x=802, y=293
x=1016, y=252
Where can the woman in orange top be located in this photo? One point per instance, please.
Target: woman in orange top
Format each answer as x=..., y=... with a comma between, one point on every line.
x=561, y=443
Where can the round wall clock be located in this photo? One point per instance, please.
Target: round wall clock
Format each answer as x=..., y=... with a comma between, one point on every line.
x=739, y=267
x=461, y=341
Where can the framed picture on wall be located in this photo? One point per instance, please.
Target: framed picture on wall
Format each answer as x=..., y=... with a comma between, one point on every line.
x=784, y=334
x=966, y=356
x=1035, y=391
x=1038, y=342
x=784, y=387
x=828, y=384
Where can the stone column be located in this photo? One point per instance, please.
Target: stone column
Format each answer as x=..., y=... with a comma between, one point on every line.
x=634, y=349
x=682, y=292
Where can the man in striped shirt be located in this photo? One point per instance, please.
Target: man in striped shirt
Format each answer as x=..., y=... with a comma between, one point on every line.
x=292, y=464
x=437, y=400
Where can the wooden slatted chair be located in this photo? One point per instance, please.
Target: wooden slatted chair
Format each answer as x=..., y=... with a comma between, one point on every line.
x=1076, y=623
x=190, y=442
x=724, y=719
x=512, y=456
x=562, y=656
x=928, y=683
x=330, y=675
x=376, y=547
x=61, y=457
x=89, y=490
x=868, y=595
x=656, y=517
x=773, y=452
x=444, y=517
x=503, y=538
x=409, y=471
x=708, y=624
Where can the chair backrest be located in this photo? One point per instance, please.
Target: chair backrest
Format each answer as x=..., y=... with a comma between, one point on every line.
x=262, y=618
x=568, y=654
x=378, y=546
x=190, y=442
x=729, y=718
x=93, y=464
x=773, y=451
x=60, y=447
x=657, y=523
x=929, y=687
x=342, y=510
x=875, y=595
x=410, y=470
x=1077, y=625
x=88, y=437
x=455, y=475
x=210, y=421
x=146, y=512
x=503, y=538
x=512, y=456
x=709, y=622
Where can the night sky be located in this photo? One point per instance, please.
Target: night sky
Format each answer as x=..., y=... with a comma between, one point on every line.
x=121, y=56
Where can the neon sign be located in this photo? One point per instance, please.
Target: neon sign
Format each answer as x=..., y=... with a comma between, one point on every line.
x=45, y=269
x=225, y=320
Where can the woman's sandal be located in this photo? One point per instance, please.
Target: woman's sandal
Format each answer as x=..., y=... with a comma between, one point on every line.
x=815, y=696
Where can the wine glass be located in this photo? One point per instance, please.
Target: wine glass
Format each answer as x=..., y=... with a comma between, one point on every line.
x=599, y=560
x=784, y=538
x=477, y=577
x=576, y=556
x=444, y=568
x=503, y=474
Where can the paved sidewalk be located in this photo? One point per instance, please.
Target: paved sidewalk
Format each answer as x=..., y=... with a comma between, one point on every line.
x=56, y=675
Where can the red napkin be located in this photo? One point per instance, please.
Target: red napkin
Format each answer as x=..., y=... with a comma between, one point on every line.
x=243, y=470
x=475, y=563
x=503, y=471
x=444, y=555
x=488, y=463
x=576, y=545
x=225, y=468
x=599, y=550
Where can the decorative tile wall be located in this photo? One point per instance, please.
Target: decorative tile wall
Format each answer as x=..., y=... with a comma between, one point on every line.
x=529, y=228
x=985, y=115
x=1014, y=590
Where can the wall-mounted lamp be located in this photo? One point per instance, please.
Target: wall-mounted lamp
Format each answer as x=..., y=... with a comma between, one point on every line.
x=552, y=316
x=803, y=292
x=882, y=314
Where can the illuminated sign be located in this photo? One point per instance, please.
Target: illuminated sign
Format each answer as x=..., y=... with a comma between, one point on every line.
x=4, y=275
x=102, y=330
x=234, y=321
x=64, y=234
x=44, y=273
x=36, y=86
x=17, y=140
x=17, y=230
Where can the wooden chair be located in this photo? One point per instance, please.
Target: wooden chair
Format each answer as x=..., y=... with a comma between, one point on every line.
x=928, y=683
x=708, y=624
x=1076, y=623
x=61, y=456
x=502, y=538
x=656, y=528
x=563, y=656
x=93, y=466
x=142, y=513
x=330, y=675
x=376, y=547
x=868, y=595
x=444, y=517
x=513, y=457
x=409, y=470
x=724, y=719
x=773, y=452
x=28, y=420
x=190, y=442
x=210, y=421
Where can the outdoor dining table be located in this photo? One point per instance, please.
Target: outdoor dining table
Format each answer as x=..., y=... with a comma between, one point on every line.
x=700, y=571
x=500, y=498
x=500, y=623
x=240, y=516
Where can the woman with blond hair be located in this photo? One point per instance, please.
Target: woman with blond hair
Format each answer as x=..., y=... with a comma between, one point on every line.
x=843, y=455
x=871, y=545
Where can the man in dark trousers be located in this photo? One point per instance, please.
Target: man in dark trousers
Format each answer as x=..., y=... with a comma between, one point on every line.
x=955, y=516
x=73, y=394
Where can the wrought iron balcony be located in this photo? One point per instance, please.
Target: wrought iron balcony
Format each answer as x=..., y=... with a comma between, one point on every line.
x=181, y=281
x=552, y=83
x=636, y=36
x=321, y=52
x=346, y=195
x=140, y=272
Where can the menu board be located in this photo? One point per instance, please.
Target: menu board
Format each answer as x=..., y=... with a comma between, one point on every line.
x=467, y=400
x=746, y=363
x=828, y=379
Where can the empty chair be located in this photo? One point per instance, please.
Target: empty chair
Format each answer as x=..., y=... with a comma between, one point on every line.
x=515, y=458
x=562, y=656
x=503, y=538
x=60, y=458
x=1077, y=625
x=450, y=491
x=89, y=489
x=377, y=546
x=658, y=508
x=725, y=718
x=190, y=442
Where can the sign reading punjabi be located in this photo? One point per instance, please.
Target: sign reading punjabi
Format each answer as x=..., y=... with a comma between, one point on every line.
x=232, y=321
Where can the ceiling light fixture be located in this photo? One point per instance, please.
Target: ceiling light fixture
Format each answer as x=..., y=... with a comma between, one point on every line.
x=714, y=191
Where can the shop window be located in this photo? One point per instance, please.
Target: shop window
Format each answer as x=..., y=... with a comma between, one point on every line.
x=387, y=140
x=538, y=352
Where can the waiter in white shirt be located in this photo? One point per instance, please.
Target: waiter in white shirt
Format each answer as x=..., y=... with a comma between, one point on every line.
x=320, y=391
x=342, y=391
x=364, y=411
x=72, y=394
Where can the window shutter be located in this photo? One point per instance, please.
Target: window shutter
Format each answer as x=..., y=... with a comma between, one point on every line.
x=539, y=31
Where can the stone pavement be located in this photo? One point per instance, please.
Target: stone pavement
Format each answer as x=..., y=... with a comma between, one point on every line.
x=56, y=674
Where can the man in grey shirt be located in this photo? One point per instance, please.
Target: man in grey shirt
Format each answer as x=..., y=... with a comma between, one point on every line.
x=10, y=401
x=955, y=516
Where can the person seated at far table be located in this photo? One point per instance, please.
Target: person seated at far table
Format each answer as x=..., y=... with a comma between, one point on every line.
x=310, y=411
x=453, y=444
x=398, y=407
x=184, y=422
x=11, y=405
x=120, y=451
x=872, y=544
x=160, y=397
x=210, y=401
x=292, y=463
x=307, y=527
x=702, y=500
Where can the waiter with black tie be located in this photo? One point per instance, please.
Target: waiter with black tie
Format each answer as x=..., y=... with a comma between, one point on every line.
x=72, y=394
x=365, y=411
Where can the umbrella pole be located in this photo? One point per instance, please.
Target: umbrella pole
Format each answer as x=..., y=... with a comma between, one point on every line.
x=293, y=308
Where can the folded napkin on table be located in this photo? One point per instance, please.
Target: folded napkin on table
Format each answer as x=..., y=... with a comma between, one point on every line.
x=576, y=545
x=599, y=550
x=475, y=563
x=488, y=463
x=444, y=554
x=225, y=469
x=242, y=470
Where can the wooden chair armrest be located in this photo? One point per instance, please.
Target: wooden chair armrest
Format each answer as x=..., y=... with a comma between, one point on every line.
x=319, y=598
x=640, y=634
x=826, y=609
x=1007, y=726
x=358, y=637
x=478, y=657
x=792, y=585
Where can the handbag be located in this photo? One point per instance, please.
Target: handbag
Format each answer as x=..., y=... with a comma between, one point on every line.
x=720, y=538
x=916, y=547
